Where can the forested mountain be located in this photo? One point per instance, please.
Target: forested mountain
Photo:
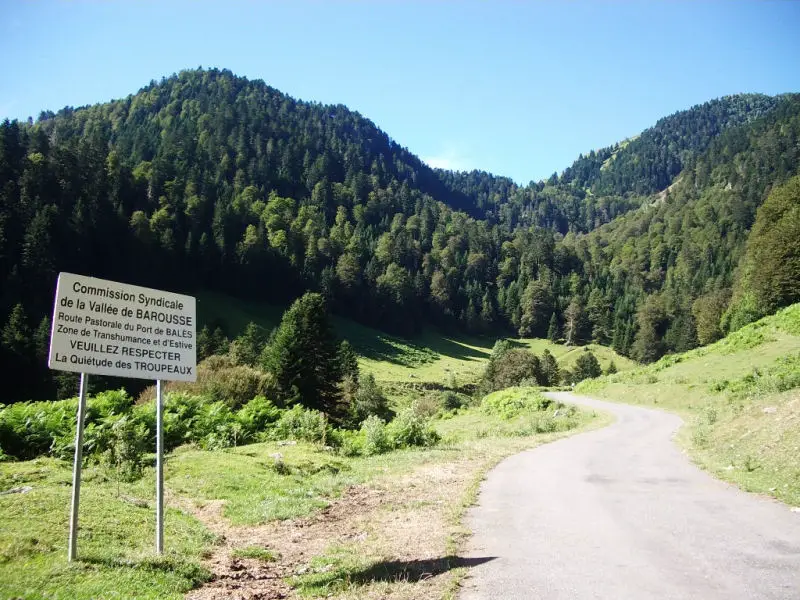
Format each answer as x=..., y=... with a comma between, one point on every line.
x=207, y=180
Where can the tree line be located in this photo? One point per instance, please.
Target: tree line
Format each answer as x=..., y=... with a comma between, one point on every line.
x=210, y=181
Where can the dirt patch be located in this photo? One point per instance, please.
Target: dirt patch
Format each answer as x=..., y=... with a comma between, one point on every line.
x=399, y=528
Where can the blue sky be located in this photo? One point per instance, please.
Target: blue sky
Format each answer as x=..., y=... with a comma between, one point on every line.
x=518, y=89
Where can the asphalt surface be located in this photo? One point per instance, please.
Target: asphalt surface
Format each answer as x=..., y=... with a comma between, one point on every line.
x=620, y=513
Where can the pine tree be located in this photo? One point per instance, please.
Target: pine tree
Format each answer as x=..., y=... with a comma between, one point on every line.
x=303, y=357
x=41, y=340
x=17, y=338
x=551, y=374
x=348, y=361
x=552, y=331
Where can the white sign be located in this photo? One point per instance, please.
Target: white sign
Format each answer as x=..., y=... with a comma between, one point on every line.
x=108, y=328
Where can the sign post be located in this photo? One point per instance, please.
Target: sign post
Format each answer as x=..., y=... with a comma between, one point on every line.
x=72, y=553
x=103, y=327
x=159, y=469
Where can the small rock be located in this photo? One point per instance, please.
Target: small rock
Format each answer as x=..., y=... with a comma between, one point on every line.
x=287, y=443
x=772, y=489
x=276, y=456
x=301, y=571
x=795, y=509
x=769, y=409
x=134, y=501
x=730, y=468
x=17, y=490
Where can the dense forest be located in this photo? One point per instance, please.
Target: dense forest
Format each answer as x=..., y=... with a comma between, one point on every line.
x=206, y=180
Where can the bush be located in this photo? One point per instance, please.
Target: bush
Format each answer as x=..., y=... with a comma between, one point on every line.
x=510, y=403
x=126, y=445
x=375, y=436
x=348, y=442
x=410, y=429
x=299, y=423
x=257, y=415
x=30, y=429
x=451, y=401
x=370, y=400
x=512, y=367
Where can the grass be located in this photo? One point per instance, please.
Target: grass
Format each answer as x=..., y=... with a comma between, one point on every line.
x=740, y=399
x=255, y=552
x=115, y=543
x=116, y=539
x=428, y=358
x=476, y=442
x=267, y=483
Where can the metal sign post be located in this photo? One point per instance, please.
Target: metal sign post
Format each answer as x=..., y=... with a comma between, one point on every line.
x=72, y=554
x=159, y=469
x=103, y=327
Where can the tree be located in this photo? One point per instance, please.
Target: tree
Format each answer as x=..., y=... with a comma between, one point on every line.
x=348, y=361
x=652, y=320
x=574, y=322
x=303, y=357
x=536, y=303
x=612, y=368
x=552, y=330
x=586, y=367
x=707, y=311
x=17, y=333
x=247, y=348
x=551, y=374
x=769, y=272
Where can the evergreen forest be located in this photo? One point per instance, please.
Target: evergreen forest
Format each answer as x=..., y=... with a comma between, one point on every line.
x=210, y=181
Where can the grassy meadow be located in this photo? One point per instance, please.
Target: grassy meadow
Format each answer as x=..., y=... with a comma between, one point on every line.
x=740, y=399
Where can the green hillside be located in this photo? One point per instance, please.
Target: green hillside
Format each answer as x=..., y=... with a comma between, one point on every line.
x=430, y=357
x=740, y=398
x=209, y=181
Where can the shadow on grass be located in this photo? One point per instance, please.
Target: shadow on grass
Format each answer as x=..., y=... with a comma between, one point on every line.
x=194, y=573
x=410, y=571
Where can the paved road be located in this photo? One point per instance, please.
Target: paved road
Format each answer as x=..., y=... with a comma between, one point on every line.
x=621, y=513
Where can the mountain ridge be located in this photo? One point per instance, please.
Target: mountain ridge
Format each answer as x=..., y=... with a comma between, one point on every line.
x=210, y=181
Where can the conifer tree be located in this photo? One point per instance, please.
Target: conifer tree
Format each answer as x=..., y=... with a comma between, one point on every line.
x=552, y=331
x=303, y=357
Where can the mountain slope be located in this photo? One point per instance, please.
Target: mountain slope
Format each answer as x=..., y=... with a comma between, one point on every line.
x=209, y=181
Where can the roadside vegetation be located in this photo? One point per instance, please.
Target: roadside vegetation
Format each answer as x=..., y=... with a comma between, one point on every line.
x=740, y=398
x=267, y=448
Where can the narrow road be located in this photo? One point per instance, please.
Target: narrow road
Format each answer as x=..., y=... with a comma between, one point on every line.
x=621, y=513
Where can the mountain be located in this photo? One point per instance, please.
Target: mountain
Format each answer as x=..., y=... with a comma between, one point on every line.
x=205, y=180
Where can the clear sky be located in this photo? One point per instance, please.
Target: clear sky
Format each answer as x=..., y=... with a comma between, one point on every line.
x=518, y=89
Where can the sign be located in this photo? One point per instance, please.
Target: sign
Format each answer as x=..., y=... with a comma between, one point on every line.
x=108, y=328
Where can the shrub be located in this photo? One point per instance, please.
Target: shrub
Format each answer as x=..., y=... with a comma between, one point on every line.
x=370, y=400
x=512, y=367
x=299, y=423
x=348, y=442
x=222, y=381
x=451, y=401
x=586, y=367
x=512, y=402
x=257, y=415
x=30, y=429
x=410, y=429
x=125, y=446
x=375, y=436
